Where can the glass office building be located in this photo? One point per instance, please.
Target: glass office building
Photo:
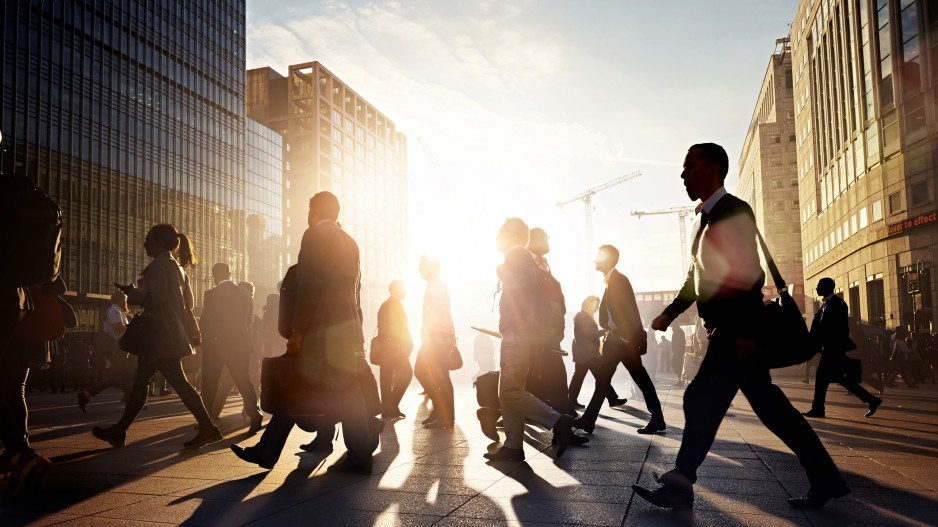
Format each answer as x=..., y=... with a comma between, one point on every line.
x=129, y=114
x=866, y=121
x=263, y=204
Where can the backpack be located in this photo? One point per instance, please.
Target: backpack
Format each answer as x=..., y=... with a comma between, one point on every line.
x=551, y=309
x=32, y=222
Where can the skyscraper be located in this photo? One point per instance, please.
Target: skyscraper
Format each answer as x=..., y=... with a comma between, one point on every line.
x=263, y=203
x=866, y=86
x=335, y=140
x=768, y=170
x=129, y=114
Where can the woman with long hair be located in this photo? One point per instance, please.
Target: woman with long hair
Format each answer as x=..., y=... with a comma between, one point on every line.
x=165, y=294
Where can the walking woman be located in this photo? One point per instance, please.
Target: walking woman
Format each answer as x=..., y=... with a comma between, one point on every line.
x=586, y=357
x=438, y=339
x=165, y=294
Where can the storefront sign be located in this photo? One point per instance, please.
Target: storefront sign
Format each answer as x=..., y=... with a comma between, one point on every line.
x=913, y=223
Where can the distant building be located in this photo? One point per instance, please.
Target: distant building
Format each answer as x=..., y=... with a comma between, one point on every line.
x=128, y=114
x=335, y=140
x=768, y=171
x=866, y=121
x=263, y=205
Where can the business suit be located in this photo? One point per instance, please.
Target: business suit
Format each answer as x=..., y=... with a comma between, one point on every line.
x=623, y=343
x=328, y=314
x=830, y=332
x=395, y=371
x=726, y=283
x=586, y=357
x=226, y=343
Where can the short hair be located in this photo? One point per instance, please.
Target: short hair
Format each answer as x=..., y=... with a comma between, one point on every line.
x=517, y=231
x=538, y=241
x=611, y=251
x=395, y=285
x=714, y=153
x=247, y=286
x=325, y=204
x=826, y=282
x=118, y=297
x=221, y=267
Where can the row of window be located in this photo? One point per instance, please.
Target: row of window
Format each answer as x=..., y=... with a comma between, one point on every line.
x=865, y=217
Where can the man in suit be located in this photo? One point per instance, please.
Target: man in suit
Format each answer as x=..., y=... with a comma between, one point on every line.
x=624, y=343
x=518, y=276
x=394, y=334
x=227, y=312
x=726, y=281
x=327, y=324
x=831, y=334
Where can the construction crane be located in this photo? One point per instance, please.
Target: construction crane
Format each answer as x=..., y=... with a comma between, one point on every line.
x=682, y=214
x=587, y=198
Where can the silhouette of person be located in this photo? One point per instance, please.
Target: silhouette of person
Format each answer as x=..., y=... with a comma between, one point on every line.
x=327, y=324
x=624, y=342
x=112, y=329
x=726, y=281
x=274, y=343
x=227, y=315
x=518, y=280
x=165, y=294
x=437, y=340
x=483, y=352
x=678, y=343
x=586, y=357
x=395, y=370
x=547, y=375
x=831, y=335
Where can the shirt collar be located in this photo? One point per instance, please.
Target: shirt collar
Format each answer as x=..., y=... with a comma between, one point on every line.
x=320, y=222
x=609, y=275
x=223, y=281
x=713, y=199
x=828, y=297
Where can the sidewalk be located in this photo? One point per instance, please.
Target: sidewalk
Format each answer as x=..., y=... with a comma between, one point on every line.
x=435, y=477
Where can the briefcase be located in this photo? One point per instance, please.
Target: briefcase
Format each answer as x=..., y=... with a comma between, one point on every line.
x=487, y=390
x=850, y=372
x=294, y=386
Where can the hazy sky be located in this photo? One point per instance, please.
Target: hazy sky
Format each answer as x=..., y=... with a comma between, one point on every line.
x=526, y=103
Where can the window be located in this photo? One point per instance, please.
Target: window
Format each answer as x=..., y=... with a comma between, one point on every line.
x=778, y=183
x=895, y=202
x=778, y=206
x=864, y=218
x=875, y=298
x=919, y=193
x=854, y=295
x=877, y=211
x=775, y=139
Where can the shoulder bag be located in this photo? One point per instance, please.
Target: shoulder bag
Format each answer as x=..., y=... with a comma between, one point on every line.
x=138, y=335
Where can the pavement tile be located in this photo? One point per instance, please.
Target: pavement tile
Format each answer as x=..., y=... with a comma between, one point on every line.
x=344, y=518
x=377, y=500
x=526, y=510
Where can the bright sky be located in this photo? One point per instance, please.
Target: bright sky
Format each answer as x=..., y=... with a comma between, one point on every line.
x=524, y=104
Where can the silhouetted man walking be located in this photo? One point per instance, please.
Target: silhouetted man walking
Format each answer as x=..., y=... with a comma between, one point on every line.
x=624, y=343
x=831, y=334
x=394, y=335
x=726, y=281
x=227, y=312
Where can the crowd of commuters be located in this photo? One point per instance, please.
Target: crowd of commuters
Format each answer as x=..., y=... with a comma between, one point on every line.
x=316, y=322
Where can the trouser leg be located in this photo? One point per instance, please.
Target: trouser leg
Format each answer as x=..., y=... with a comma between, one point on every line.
x=386, y=374
x=173, y=373
x=212, y=365
x=107, y=380
x=576, y=382
x=603, y=373
x=420, y=370
x=354, y=416
x=400, y=381
x=239, y=366
x=633, y=363
x=274, y=438
x=14, y=415
x=442, y=393
x=859, y=391
x=611, y=393
x=369, y=389
x=776, y=412
x=821, y=383
x=516, y=403
x=138, y=394
x=706, y=401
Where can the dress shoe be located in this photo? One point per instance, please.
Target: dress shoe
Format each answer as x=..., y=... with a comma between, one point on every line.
x=251, y=456
x=257, y=422
x=563, y=434
x=433, y=417
x=209, y=434
x=577, y=406
x=113, y=435
x=488, y=417
x=83, y=399
x=347, y=467
x=815, y=499
x=654, y=426
x=505, y=454
x=667, y=496
x=25, y=471
x=814, y=413
x=320, y=445
x=618, y=402
x=584, y=425
x=874, y=405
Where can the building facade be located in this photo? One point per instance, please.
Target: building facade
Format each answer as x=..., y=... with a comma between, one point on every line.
x=263, y=207
x=866, y=84
x=335, y=140
x=768, y=171
x=129, y=114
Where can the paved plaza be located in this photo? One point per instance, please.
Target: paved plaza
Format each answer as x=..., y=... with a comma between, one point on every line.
x=439, y=477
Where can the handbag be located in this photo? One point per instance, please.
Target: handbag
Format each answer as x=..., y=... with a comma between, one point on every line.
x=454, y=359
x=192, y=328
x=46, y=321
x=783, y=338
x=137, y=337
x=293, y=385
